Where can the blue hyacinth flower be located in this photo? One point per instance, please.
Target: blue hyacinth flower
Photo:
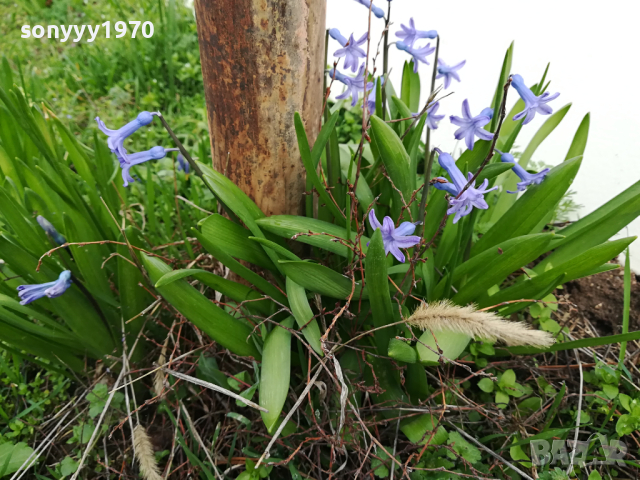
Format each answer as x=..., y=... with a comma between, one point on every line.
x=395, y=238
x=409, y=34
x=526, y=177
x=442, y=183
x=471, y=127
x=464, y=201
x=155, y=153
x=117, y=137
x=183, y=164
x=30, y=293
x=432, y=119
x=532, y=104
x=351, y=50
x=419, y=54
x=377, y=11
x=371, y=99
x=50, y=230
x=449, y=72
x=355, y=85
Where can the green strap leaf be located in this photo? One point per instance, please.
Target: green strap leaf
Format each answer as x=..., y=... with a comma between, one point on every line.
x=289, y=225
x=235, y=291
x=378, y=286
x=312, y=175
x=397, y=163
x=237, y=201
x=509, y=182
x=304, y=315
x=579, y=143
x=410, y=87
x=320, y=279
x=234, y=240
x=597, y=227
x=279, y=249
x=498, y=264
x=228, y=331
x=583, y=343
x=275, y=373
x=236, y=267
x=524, y=216
x=584, y=263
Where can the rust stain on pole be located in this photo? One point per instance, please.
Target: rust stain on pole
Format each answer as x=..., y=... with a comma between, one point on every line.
x=262, y=60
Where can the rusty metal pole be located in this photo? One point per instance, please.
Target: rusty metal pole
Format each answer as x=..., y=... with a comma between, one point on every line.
x=262, y=61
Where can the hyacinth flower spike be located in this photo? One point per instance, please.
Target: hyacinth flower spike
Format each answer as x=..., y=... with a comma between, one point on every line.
x=377, y=11
x=432, y=119
x=155, y=153
x=409, y=34
x=51, y=230
x=464, y=201
x=532, y=104
x=30, y=293
x=117, y=137
x=351, y=50
x=395, y=238
x=443, y=184
x=526, y=177
x=355, y=85
x=371, y=99
x=449, y=72
x=183, y=164
x=471, y=127
x=419, y=54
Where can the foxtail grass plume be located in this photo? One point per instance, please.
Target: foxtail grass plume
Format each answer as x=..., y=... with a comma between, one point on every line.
x=144, y=454
x=445, y=316
x=158, y=377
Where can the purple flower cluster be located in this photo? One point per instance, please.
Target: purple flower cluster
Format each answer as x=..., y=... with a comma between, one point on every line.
x=377, y=11
x=470, y=126
x=419, y=54
x=449, y=72
x=462, y=201
x=532, y=104
x=116, y=144
x=350, y=50
x=30, y=293
x=395, y=238
x=526, y=178
x=464, y=195
x=355, y=85
x=409, y=34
